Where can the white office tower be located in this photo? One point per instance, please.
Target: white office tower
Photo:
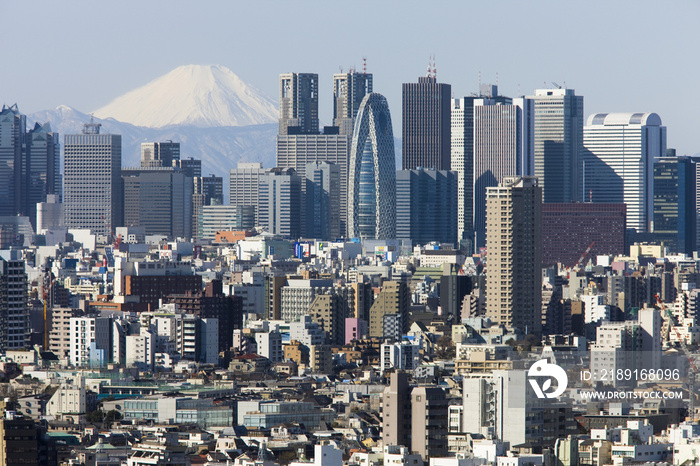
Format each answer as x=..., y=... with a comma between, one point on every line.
x=92, y=194
x=244, y=185
x=618, y=161
x=503, y=146
x=462, y=162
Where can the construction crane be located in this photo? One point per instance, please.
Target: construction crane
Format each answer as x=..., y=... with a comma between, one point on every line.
x=583, y=256
x=692, y=367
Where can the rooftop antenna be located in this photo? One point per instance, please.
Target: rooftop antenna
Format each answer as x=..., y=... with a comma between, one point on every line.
x=364, y=65
x=479, y=80
x=428, y=75
x=434, y=68
x=341, y=69
x=518, y=89
x=496, y=78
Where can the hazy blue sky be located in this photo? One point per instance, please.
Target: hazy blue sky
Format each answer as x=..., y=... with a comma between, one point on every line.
x=622, y=56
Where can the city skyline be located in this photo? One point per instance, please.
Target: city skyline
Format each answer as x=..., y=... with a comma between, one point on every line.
x=609, y=80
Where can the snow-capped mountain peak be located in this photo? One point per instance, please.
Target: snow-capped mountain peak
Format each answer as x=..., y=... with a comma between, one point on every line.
x=193, y=95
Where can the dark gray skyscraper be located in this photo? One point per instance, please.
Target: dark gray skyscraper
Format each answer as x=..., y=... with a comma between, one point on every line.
x=426, y=205
x=298, y=103
x=41, y=174
x=322, y=200
x=558, y=143
x=372, y=173
x=13, y=126
x=426, y=124
x=348, y=91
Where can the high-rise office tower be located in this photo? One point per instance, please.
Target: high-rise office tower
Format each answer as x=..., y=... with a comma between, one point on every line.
x=503, y=146
x=13, y=126
x=372, y=173
x=297, y=151
x=426, y=205
x=674, y=203
x=619, y=154
x=514, y=245
x=244, y=185
x=558, y=143
x=208, y=190
x=159, y=199
x=42, y=176
x=348, y=91
x=462, y=154
x=462, y=162
x=298, y=103
x=93, y=196
x=280, y=202
x=322, y=201
x=159, y=154
x=15, y=328
x=426, y=124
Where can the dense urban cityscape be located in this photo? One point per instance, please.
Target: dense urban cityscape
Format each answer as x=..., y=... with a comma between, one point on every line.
x=522, y=291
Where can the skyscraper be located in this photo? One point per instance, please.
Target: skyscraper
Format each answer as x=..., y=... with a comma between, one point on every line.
x=620, y=149
x=372, y=173
x=503, y=146
x=42, y=176
x=462, y=154
x=280, y=202
x=514, y=245
x=208, y=190
x=159, y=199
x=426, y=205
x=244, y=185
x=348, y=91
x=674, y=203
x=322, y=201
x=93, y=196
x=462, y=162
x=14, y=310
x=426, y=124
x=13, y=126
x=558, y=143
x=298, y=103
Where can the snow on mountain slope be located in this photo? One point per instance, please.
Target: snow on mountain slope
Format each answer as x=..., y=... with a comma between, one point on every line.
x=193, y=95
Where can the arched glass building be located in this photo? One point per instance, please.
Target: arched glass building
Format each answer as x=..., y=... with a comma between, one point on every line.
x=372, y=172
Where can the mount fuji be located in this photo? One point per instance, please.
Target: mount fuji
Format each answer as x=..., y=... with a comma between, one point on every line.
x=214, y=116
x=193, y=95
